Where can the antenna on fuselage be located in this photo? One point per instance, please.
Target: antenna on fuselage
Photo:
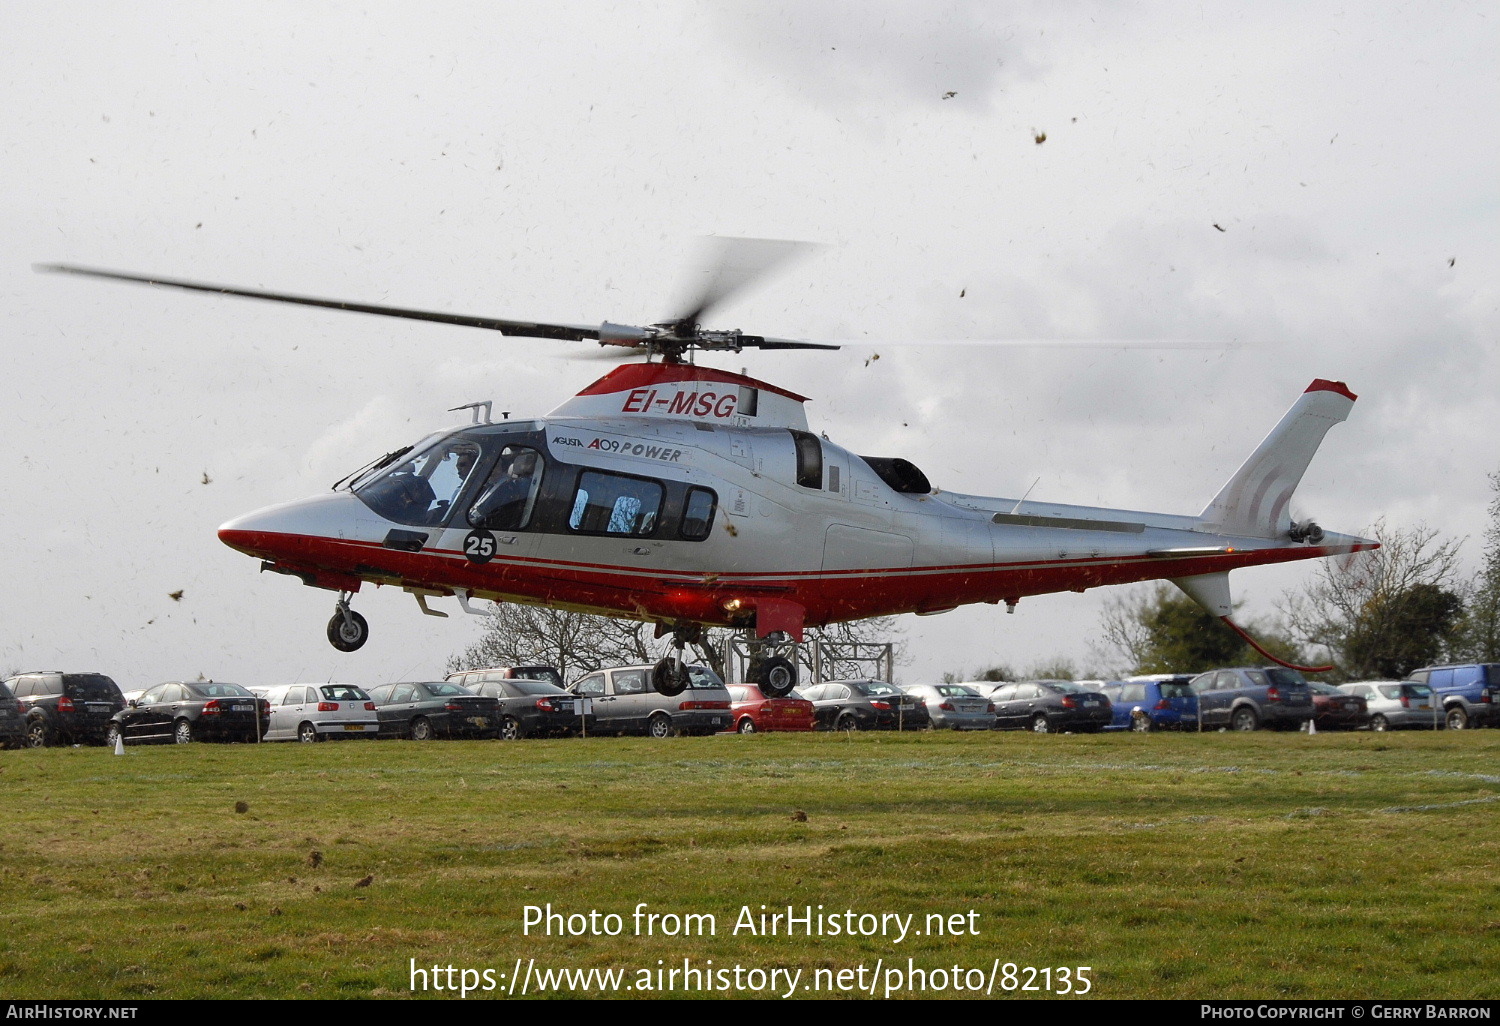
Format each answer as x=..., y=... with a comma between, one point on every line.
x=1022, y=499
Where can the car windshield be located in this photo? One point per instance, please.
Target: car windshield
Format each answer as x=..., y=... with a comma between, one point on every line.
x=1413, y=691
x=876, y=689
x=1285, y=678
x=702, y=677
x=956, y=691
x=1324, y=689
x=533, y=687
x=89, y=686
x=1182, y=690
x=542, y=673
x=445, y=690
x=1067, y=687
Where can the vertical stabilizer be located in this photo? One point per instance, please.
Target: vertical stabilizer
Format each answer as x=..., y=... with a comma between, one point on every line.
x=1255, y=501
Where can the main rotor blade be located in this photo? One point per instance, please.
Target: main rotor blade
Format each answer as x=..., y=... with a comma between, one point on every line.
x=732, y=265
x=529, y=329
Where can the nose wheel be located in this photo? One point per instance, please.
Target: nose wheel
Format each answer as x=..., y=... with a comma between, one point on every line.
x=347, y=631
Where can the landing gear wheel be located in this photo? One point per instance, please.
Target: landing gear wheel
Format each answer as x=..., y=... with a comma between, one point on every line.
x=776, y=677
x=307, y=734
x=670, y=676
x=1039, y=724
x=660, y=726
x=1457, y=718
x=1244, y=718
x=1141, y=723
x=182, y=732
x=347, y=631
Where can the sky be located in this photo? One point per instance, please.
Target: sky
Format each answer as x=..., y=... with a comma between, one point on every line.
x=1312, y=184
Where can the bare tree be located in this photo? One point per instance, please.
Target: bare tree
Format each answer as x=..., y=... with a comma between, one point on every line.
x=576, y=643
x=1479, y=633
x=1385, y=611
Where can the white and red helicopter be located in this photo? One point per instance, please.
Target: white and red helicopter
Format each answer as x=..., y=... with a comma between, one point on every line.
x=689, y=496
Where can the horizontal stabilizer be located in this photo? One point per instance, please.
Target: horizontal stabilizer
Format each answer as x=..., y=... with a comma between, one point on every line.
x=1255, y=502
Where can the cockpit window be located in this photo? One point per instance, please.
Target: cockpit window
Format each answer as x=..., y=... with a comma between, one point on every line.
x=421, y=488
x=510, y=495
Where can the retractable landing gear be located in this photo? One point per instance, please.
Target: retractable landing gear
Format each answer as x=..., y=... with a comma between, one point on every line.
x=770, y=668
x=670, y=676
x=347, y=630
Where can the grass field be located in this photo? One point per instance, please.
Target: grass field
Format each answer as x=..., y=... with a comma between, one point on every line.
x=1178, y=866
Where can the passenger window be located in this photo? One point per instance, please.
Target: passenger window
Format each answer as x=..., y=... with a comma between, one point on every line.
x=698, y=514
x=630, y=682
x=614, y=504
x=591, y=685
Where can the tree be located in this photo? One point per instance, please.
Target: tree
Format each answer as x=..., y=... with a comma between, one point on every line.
x=1383, y=612
x=1477, y=637
x=577, y=643
x=1162, y=630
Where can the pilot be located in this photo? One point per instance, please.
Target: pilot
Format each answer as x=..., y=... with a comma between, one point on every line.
x=503, y=504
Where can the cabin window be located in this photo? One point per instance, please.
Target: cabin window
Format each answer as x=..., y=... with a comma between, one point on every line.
x=698, y=514
x=509, y=497
x=615, y=504
x=809, y=459
x=420, y=489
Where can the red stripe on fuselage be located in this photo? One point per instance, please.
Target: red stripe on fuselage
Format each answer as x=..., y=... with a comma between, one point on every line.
x=647, y=593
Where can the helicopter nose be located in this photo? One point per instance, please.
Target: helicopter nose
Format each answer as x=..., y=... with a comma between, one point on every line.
x=289, y=528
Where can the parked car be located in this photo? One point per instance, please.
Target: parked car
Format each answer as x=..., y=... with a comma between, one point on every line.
x=1050, y=707
x=625, y=702
x=865, y=705
x=12, y=721
x=182, y=711
x=1393, y=704
x=1469, y=693
x=752, y=712
x=1334, y=709
x=65, y=708
x=1157, y=701
x=469, y=678
x=315, y=712
x=1250, y=697
x=533, y=707
x=954, y=706
x=423, y=710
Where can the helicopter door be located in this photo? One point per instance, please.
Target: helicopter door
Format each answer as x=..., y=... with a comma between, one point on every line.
x=497, y=523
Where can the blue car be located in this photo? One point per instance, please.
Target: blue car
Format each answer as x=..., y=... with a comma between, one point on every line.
x=1158, y=701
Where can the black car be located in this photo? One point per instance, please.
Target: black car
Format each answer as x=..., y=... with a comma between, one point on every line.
x=66, y=708
x=12, y=723
x=422, y=710
x=182, y=711
x=1051, y=707
x=865, y=705
x=532, y=708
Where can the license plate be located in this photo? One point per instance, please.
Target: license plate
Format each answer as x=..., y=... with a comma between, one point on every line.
x=354, y=726
x=242, y=707
x=1091, y=701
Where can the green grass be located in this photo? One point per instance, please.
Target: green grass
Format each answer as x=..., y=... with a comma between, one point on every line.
x=1176, y=866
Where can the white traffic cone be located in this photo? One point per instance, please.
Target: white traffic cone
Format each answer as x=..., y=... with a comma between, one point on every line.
x=1312, y=727
x=119, y=744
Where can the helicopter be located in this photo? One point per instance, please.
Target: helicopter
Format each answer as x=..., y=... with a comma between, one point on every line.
x=688, y=496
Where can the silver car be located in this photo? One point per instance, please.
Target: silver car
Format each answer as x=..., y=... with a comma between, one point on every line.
x=314, y=712
x=1393, y=703
x=625, y=703
x=954, y=706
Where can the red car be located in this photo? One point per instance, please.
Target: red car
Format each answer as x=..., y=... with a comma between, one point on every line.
x=1337, y=710
x=753, y=711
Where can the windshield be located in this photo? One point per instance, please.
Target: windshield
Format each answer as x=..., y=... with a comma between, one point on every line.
x=420, y=490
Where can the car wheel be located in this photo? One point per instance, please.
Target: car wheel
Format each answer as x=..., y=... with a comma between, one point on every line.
x=511, y=729
x=1141, y=723
x=1457, y=718
x=307, y=734
x=660, y=726
x=747, y=726
x=1380, y=723
x=848, y=723
x=37, y=734
x=348, y=633
x=421, y=729
x=112, y=735
x=1244, y=718
x=1039, y=724
x=182, y=732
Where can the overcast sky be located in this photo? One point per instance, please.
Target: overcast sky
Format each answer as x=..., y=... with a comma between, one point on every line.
x=1314, y=181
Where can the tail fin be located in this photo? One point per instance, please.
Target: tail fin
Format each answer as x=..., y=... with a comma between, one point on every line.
x=1254, y=502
